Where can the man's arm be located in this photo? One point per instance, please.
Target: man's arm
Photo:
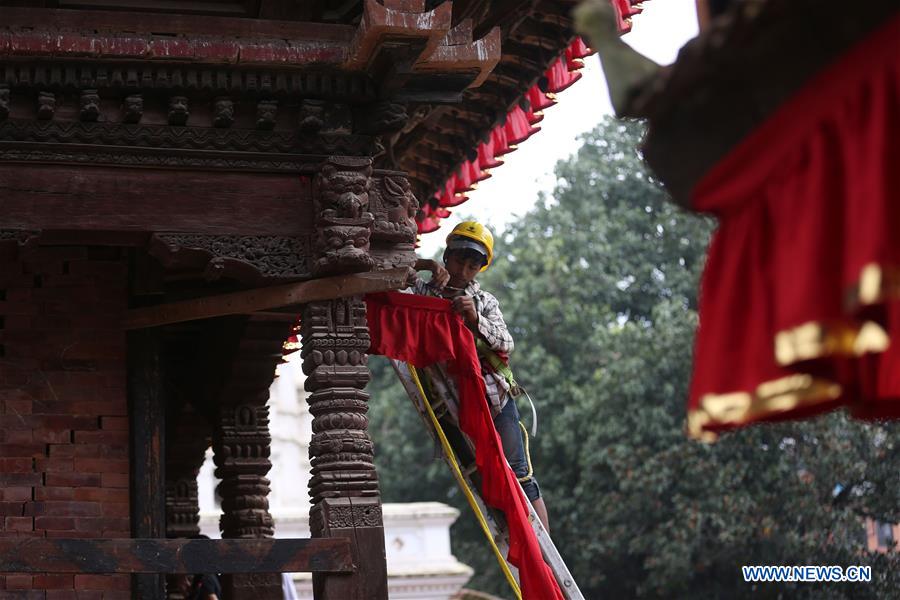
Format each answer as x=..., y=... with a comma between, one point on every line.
x=439, y=275
x=492, y=327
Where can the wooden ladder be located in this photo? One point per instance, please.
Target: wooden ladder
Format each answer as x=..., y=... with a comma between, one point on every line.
x=442, y=396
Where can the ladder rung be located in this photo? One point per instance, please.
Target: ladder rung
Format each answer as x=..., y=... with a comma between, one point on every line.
x=470, y=469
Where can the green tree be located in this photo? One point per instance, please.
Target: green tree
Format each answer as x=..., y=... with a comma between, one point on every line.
x=599, y=287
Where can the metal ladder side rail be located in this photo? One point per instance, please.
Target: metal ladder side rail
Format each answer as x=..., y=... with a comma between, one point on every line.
x=444, y=388
x=491, y=520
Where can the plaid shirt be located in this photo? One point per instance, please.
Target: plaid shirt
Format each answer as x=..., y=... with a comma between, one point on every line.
x=492, y=328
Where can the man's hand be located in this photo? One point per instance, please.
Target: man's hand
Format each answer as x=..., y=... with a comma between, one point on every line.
x=439, y=275
x=465, y=307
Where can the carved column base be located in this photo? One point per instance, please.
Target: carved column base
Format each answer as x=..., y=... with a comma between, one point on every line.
x=360, y=520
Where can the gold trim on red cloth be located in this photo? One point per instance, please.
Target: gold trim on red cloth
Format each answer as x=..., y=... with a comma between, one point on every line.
x=877, y=283
x=771, y=397
x=818, y=340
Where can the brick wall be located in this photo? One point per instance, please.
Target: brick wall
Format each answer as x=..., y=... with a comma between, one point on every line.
x=63, y=408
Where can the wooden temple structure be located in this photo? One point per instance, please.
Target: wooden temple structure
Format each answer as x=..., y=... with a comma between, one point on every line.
x=179, y=181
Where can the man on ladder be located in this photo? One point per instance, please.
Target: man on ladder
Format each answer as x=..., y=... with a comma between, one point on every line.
x=469, y=251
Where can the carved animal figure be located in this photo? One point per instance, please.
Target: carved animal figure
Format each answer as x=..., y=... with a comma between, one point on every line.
x=345, y=193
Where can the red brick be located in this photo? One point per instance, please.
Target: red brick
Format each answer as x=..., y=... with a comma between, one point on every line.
x=101, y=465
x=80, y=407
x=12, y=509
x=73, y=479
x=16, y=493
x=62, y=595
x=56, y=493
x=114, y=480
x=17, y=465
x=54, y=465
x=56, y=523
x=51, y=436
x=53, y=582
x=113, y=424
x=20, y=479
x=18, y=523
x=102, y=437
x=25, y=436
x=16, y=407
x=61, y=450
x=119, y=451
x=99, y=494
x=84, y=595
x=117, y=595
x=22, y=450
x=63, y=508
x=18, y=582
x=115, y=509
x=103, y=582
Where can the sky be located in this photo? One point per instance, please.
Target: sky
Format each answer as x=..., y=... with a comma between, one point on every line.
x=658, y=33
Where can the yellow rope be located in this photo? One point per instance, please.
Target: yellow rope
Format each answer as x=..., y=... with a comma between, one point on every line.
x=530, y=473
x=457, y=473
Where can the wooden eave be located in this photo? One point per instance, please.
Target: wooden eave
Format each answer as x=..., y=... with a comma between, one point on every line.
x=533, y=37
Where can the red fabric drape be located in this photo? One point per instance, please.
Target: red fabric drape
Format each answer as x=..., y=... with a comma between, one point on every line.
x=799, y=300
x=422, y=330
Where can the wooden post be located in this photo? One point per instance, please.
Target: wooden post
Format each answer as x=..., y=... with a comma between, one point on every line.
x=147, y=421
x=344, y=484
x=241, y=446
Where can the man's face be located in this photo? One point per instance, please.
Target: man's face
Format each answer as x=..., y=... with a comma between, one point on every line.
x=463, y=267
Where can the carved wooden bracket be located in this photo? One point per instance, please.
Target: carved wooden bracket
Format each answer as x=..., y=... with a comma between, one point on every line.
x=458, y=51
x=343, y=219
x=395, y=19
x=251, y=259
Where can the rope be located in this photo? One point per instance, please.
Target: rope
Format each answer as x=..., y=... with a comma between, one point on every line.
x=530, y=472
x=457, y=473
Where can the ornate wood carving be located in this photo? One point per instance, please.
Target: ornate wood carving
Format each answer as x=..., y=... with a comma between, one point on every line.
x=394, y=205
x=187, y=438
x=315, y=116
x=343, y=220
x=335, y=339
x=251, y=259
x=90, y=105
x=178, y=110
x=266, y=111
x=193, y=138
x=148, y=78
x=344, y=484
x=46, y=105
x=241, y=445
x=223, y=112
x=132, y=109
x=4, y=102
x=241, y=441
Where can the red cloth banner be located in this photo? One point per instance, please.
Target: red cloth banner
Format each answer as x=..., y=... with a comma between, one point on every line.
x=799, y=300
x=422, y=331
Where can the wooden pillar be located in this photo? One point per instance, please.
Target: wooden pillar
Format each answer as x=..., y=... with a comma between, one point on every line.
x=241, y=445
x=147, y=434
x=344, y=484
x=186, y=444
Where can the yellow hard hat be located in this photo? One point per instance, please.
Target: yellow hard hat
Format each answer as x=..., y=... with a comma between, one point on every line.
x=474, y=231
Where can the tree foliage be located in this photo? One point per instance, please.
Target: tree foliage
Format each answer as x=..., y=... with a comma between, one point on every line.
x=598, y=285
